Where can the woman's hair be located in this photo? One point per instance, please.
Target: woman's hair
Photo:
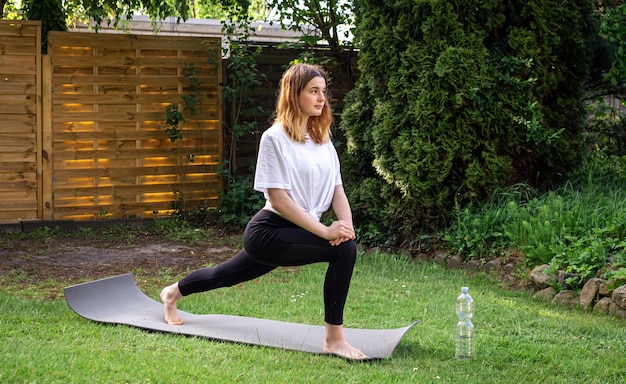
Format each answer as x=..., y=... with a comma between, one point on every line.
x=288, y=110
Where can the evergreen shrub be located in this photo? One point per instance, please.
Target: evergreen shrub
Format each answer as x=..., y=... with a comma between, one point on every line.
x=457, y=98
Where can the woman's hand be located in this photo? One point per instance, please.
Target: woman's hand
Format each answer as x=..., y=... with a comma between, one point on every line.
x=340, y=231
x=336, y=242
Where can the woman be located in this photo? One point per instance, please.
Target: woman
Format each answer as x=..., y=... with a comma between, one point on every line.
x=298, y=172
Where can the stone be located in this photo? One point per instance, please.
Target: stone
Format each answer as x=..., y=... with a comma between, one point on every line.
x=603, y=290
x=440, y=258
x=422, y=257
x=539, y=278
x=509, y=268
x=619, y=296
x=617, y=311
x=492, y=266
x=602, y=306
x=567, y=298
x=546, y=294
x=589, y=293
x=455, y=262
x=472, y=266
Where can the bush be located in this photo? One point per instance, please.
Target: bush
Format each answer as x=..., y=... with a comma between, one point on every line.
x=459, y=98
x=239, y=202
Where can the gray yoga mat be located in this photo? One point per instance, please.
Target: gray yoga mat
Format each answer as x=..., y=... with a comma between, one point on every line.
x=118, y=300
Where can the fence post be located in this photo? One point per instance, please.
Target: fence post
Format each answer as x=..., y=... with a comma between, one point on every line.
x=46, y=139
x=38, y=125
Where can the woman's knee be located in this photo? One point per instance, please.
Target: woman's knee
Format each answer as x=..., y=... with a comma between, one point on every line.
x=347, y=249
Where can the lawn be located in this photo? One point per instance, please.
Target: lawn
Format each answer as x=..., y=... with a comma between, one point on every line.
x=519, y=340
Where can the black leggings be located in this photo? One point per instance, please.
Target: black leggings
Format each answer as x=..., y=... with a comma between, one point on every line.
x=271, y=241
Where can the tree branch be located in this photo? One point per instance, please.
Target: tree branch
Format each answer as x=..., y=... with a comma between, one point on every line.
x=2, y=4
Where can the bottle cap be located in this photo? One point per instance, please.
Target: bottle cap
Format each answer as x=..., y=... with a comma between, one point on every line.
x=464, y=289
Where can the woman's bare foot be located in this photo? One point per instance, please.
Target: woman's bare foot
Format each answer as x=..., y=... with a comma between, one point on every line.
x=169, y=296
x=336, y=344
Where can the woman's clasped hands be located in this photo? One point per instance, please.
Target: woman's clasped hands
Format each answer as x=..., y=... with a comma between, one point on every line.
x=340, y=231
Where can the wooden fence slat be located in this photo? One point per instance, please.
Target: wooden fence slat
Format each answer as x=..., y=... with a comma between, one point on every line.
x=117, y=42
x=136, y=171
x=126, y=193
x=28, y=157
x=127, y=80
x=161, y=108
x=20, y=29
x=127, y=62
x=68, y=186
x=10, y=40
x=28, y=107
x=91, y=209
x=209, y=97
x=16, y=168
x=15, y=49
x=21, y=88
x=11, y=213
x=18, y=65
x=126, y=116
x=18, y=185
x=122, y=135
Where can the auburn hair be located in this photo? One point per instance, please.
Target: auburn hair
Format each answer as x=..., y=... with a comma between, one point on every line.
x=288, y=111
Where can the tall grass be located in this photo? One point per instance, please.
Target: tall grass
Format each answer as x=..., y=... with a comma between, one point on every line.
x=580, y=227
x=518, y=339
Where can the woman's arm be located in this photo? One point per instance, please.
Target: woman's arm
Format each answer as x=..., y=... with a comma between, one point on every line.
x=341, y=207
x=340, y=229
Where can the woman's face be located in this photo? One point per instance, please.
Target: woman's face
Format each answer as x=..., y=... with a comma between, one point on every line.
x=313, y=97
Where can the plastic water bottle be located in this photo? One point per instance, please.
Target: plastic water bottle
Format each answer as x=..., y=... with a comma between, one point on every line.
x=465, y=337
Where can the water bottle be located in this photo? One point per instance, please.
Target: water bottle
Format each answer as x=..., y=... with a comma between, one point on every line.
x=465, y=337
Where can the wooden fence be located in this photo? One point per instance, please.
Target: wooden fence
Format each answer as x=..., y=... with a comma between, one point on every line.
x=20, y=120
x=83, y=127
x=108, y=151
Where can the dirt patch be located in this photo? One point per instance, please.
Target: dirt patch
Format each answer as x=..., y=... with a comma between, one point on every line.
x=73, y=259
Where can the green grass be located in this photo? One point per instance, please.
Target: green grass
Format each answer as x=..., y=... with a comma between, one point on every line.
x=519, y=340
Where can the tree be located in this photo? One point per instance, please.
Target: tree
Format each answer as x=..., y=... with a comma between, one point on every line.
x=460, y=97
x=331, y=20
x=51, y=14
x=322, y=22
x=116, y=11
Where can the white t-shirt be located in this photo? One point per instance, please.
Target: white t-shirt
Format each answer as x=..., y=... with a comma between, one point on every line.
x=308, y=171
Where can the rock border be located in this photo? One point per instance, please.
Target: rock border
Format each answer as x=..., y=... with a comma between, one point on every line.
x=597, y=295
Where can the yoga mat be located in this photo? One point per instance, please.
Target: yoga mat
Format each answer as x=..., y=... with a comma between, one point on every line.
x=118, y=300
